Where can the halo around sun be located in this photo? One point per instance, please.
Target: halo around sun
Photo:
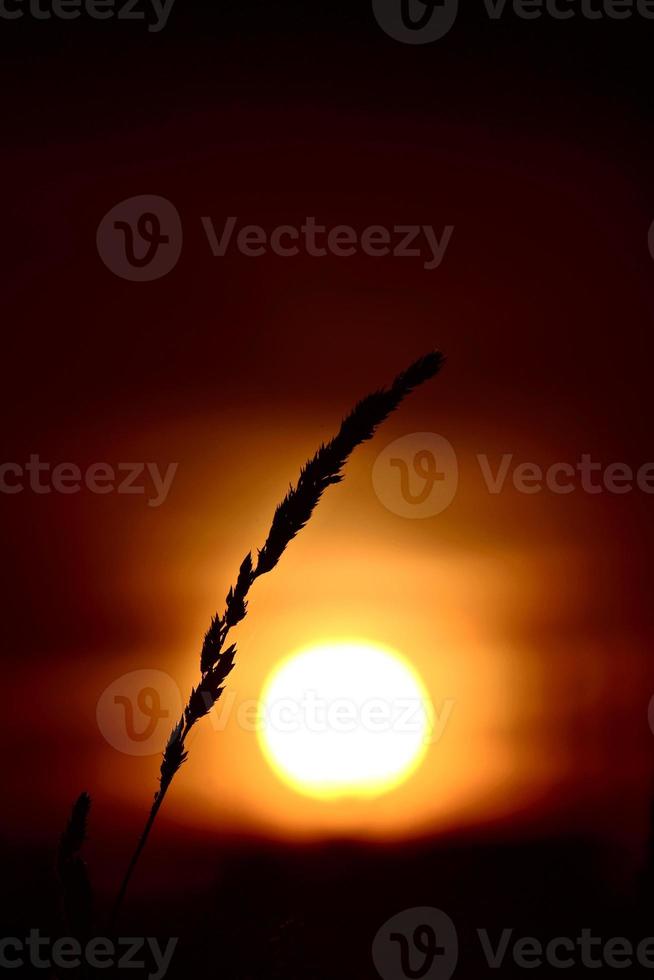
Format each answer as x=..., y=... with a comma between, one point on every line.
x=344, y=718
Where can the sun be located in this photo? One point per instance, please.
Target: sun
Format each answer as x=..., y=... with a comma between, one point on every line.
x=344, y=718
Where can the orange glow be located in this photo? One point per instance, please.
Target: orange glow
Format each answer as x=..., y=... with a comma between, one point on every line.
x=466, y=617
x=344, y=719
x=460, y=673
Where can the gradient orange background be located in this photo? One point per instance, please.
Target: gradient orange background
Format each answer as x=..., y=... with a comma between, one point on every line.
x=531, y=612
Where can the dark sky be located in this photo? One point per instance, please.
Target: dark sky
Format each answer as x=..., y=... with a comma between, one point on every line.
x=531, y=139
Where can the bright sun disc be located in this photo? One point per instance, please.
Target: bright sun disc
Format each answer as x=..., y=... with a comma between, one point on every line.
x=344, y=719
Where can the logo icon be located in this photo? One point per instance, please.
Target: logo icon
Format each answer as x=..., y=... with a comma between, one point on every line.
x=650, y=714
x=140, y=239
x=138, y=710
x=417, y=475
x=416, y=21
x=416, y=944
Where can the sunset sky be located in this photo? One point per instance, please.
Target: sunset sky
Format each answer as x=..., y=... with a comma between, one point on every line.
x=528, y=613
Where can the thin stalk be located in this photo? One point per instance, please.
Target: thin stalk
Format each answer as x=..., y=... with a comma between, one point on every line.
x=292, y=514
x=136, y=855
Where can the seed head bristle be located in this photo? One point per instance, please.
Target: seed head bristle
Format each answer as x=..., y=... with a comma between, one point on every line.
x=324, y=469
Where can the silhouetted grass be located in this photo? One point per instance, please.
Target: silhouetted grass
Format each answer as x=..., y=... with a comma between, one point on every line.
x=216, y=659
x=76, y=891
